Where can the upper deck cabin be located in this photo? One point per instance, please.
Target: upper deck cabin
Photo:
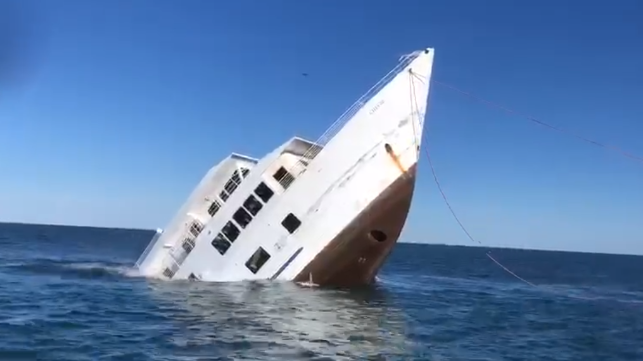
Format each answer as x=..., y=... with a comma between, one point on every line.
x=259, y=224
x=224, y=203
x=204, y=201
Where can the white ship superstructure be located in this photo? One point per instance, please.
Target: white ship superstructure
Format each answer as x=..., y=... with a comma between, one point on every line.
x=328, y=211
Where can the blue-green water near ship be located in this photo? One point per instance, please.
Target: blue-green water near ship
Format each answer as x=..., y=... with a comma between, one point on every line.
x=69, y=293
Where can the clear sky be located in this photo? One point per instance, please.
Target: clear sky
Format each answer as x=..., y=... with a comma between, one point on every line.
x=111, y=111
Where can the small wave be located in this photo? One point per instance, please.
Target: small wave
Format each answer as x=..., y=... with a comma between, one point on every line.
x=594, y=294
x=62, y=268
x=123, y=270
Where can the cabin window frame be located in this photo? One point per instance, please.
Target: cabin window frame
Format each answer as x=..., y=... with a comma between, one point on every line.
x=259, y=258
x=283, y=177
x=231, y=185
x=167, y=272
x=220, y=239
x=196, y=228
x=230, y=226
x=242, y=217
x=269, y=192
x=233, y=182
x=291, y=223
x=252, y=205
x=214, y=205
x=190, y=243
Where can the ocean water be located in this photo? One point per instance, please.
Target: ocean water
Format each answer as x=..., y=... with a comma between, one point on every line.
x=69, y=293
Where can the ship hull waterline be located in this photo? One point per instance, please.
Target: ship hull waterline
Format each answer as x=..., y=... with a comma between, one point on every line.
x=355, y=256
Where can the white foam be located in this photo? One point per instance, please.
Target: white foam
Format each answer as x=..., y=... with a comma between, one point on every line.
x=123, y=270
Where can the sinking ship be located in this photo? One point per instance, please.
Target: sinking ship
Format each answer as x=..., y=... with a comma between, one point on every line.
x=324, y=212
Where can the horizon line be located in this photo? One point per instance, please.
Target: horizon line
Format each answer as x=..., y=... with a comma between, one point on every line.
x=405, y=242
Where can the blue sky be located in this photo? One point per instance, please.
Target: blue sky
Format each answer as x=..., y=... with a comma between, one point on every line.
x=111, y=111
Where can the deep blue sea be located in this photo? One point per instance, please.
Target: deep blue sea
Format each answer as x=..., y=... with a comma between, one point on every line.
x=69, y=293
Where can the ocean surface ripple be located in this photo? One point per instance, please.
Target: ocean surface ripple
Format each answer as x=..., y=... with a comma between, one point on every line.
x=70, y=293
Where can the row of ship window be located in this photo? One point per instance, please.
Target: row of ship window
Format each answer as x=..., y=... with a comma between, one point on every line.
x=244, y=215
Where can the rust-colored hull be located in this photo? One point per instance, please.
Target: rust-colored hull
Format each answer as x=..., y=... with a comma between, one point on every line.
x=354, y=257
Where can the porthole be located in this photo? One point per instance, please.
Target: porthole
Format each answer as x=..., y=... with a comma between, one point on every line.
x=377, y=235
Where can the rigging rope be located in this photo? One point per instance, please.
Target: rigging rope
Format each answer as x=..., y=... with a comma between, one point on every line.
x=457, y=219
x=619, y=151
x=543, y=124
x=439, y=186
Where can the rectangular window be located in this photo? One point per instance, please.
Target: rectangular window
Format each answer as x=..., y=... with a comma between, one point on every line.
x=242, y=217
x=257, y=260
x=224, y=196
x=283, y=177
x=214, y=208
x=188, y=245
x=236, y=177
x=232, y=184
x=264, y=192
x=168, y=273
x=196, y=228
x=230, y=231
x=244, y=171
x=253, y=205
x=220, y=243
x=291, y=223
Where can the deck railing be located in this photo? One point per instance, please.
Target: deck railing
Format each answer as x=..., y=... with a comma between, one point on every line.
x=337, y=126
x=344, y=118
x=179, y=253
x=173, y=261
x=175, y=256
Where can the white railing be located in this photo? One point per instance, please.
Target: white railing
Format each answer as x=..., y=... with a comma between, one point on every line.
x=173, y=261
x=170, y=261
x=176, y=255
x=173, y=266
x=336, y=127
x=149, y=247
x=349, y=114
